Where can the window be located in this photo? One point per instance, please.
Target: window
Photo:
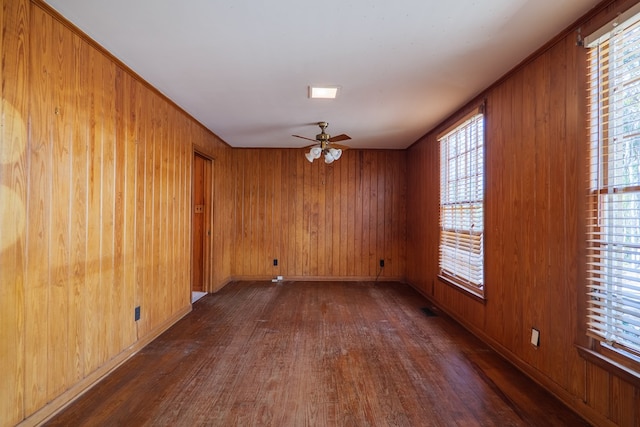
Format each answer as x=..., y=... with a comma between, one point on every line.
x=462, y=204
x=613, y=217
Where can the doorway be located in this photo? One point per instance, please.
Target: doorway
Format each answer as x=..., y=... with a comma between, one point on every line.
x=201, y=229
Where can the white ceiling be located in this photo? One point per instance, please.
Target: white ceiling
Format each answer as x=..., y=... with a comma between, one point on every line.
x=242, y=67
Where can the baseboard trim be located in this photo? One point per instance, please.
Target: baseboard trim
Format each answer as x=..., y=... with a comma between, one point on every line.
x=317, y=279
x=65, y=399
x=573, y=402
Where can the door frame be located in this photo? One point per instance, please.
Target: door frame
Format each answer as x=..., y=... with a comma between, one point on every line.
x=208, y=215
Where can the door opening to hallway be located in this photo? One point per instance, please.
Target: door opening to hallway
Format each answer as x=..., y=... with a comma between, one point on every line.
x=201, y=226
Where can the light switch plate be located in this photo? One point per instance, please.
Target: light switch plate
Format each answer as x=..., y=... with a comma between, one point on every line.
x=535, y=337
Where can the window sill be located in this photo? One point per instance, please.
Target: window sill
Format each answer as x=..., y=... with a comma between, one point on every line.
x=607, y=363
x=475, y=295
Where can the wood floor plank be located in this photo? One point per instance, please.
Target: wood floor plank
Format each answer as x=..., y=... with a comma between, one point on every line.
x=316, y=354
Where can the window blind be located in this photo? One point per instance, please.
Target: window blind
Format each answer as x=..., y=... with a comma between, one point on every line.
x=613, y=217
x=462, y=204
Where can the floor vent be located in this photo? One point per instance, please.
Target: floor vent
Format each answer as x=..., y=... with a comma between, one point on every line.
x=428, y=312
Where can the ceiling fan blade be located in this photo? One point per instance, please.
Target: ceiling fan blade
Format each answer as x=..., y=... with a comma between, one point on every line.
x=304, y=137
x=341, y=137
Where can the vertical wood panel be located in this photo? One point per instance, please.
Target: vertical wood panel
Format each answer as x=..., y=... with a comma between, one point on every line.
x=390, y=247
x=149, y=160
x=156, y=291
x=119, y=235
x=128, y=94
x=165, y=270
x=346, y=213
x=322, y=255
x=59, y=251
x=79, y=221
x=494, y=239
x=140, y=113
x=184, y=204
x=107, y=293
x=358, y=214
x=38, y=207
x=173, y=196
x=598, y=389
x=14, y=151
x=328, y=233
x=533, y=149
x=560, y=292
x=382, y=197
x=278, y=215
x=576, y=130
x=624, y=403
x=94, y=329
x=301, y=210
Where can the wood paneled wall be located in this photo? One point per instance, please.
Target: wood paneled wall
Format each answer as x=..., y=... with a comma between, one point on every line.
x=536, y=143
x=95, y=195
x=318, y=220
x=95, y=192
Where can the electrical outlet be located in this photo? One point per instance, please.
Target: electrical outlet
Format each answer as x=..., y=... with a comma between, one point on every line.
x=136, y=313
x=382, y=263
x=275, y=262
x=535, y=337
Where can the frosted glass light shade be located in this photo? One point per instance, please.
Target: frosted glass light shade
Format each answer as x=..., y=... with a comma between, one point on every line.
x=336, y=153
x=309, y=157
x=313, y=154
x=328, y=158
x=330, y=154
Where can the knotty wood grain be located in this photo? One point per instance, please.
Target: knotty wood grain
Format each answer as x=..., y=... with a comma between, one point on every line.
x=330, y=353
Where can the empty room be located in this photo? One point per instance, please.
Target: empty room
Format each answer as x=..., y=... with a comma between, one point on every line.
x=357, y=213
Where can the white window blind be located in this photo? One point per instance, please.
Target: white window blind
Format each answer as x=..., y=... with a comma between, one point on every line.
x=462, y=204
x=613, y=219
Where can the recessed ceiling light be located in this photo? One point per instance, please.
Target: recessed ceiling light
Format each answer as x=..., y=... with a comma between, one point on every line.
x=324, y=92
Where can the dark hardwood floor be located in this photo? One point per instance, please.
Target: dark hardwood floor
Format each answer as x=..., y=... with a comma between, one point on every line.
x=316, y=354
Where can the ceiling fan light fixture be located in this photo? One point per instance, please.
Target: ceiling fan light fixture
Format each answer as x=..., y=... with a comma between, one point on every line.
x=322, y=147
x=313, y=154
x=328, y=158
x=323, y=92
x=309, y=157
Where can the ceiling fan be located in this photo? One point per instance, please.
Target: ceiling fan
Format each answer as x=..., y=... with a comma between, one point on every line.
x=325, y=145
